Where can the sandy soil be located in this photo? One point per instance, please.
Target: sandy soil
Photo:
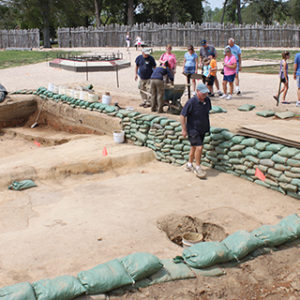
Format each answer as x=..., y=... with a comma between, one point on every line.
x=73, y=223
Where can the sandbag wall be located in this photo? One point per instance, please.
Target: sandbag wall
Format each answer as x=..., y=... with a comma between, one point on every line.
x=223, y=150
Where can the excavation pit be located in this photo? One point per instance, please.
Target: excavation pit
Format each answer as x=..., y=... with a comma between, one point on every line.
x=176, y=226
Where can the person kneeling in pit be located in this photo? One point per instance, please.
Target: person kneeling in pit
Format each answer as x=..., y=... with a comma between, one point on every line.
x=194, y=119
x=157, y=86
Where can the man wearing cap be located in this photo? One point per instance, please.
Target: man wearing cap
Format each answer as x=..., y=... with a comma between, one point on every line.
x=194, y=120
x=205, y=51
x=145, y=63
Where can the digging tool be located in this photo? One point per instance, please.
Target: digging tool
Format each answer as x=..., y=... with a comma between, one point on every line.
x=35, y=124
x=278, y=97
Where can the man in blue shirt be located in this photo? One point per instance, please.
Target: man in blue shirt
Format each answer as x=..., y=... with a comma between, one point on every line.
x=237, y=52
x=157, y=86
x=297, y=75
x=194, y=119
x=145, y=64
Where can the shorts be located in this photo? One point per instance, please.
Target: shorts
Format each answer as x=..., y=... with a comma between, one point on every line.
x=229, y=78
x=283, y=80
x=210, y=80
x=298, y=81
x=189, y=70
x=237, y=67
x=196, y=140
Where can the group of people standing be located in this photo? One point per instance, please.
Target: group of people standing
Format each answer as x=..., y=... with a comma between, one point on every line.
x=207, y=63
x=153, y=77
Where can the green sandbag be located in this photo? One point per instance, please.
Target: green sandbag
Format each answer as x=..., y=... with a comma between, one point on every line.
x=104, y=277
x=293, y=162
x=292, y=222
x=140, y=136
x=274, y=235
x=60, y=288
x=246, y=107
x=174, y=271
x=215, y=109
x=265, y=154
x=227, y=134
x=296, y=182
x=261, y=146
x=19, y=291
x=216, y=129
x=279, y=159
x=237, y=147
x=251, y=142
x=237, y=139
x=206, y=254
x=22, y=185
x=241, y=243
x=288, y=152
x=266, y=113
x=285, y=115
x=141, y=265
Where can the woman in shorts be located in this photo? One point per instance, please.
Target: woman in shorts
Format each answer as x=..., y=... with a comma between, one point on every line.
x=283, y=77
x=230, y=65
x=190, y=64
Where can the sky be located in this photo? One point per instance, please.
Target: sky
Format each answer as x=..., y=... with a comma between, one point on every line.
x=215, y=3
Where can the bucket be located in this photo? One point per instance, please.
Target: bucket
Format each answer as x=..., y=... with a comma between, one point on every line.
x=61, y=90
x=191, y=238
x=50, y=87
x=106, y=98
x=119, y=136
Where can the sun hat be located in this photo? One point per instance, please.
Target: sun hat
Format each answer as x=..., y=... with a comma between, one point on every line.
x=147, y=51
x=202, y=88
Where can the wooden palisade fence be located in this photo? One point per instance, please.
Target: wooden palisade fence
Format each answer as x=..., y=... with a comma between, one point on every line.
x=181, y=35
x=20, y=38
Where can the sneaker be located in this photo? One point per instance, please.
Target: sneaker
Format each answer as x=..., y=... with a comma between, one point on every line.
x=219, y=93
x=188, y=168
x=142, y=104
x=298, y=103
x=223, y=96
x=229, y=97
x=238, y=93
x=285, y=102
x=199, y=172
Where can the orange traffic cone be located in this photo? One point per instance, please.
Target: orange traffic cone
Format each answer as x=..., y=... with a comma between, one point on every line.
x=37, y=143
x=104, y=151
x=259, y=174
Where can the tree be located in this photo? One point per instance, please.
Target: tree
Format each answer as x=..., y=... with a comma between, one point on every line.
x=270, y=10
x=294, y=9
x=161, y=12
x=232, y=9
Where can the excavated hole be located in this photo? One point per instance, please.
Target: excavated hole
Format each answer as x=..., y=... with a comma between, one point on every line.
x=175, y=226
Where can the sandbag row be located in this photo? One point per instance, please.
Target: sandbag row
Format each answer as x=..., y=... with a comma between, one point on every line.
x=241, y=243
x=223, y=150
x=100, y=279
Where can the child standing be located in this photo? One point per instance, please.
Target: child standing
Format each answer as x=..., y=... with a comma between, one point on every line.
x=212, y=74
x=283, y=77
x=206, y=69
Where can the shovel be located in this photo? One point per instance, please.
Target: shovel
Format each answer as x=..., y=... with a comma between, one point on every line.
x=35, y=124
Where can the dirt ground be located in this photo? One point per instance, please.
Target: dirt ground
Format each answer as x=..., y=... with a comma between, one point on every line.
x=72, y=222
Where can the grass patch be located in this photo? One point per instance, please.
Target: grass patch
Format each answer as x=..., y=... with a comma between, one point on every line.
x=246, y=55
x=266, y=69
x=14, y=58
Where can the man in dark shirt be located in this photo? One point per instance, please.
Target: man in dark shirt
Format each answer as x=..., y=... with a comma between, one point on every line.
x=157, y=86
x=205, y=51
x=194, y=120
x=145, y=64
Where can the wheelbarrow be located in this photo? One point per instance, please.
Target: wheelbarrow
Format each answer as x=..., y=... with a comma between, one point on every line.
x=172, y=97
